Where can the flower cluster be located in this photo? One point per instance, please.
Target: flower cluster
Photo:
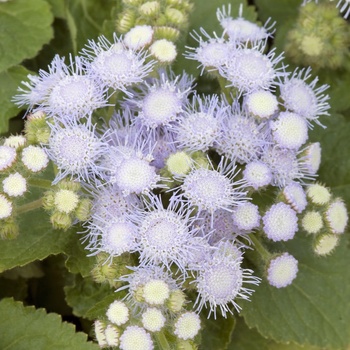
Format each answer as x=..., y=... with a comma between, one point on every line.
x=170, y=177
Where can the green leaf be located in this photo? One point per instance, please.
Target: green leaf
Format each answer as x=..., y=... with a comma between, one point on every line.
x=9, y=82
x=24, y=328
x=314, y=309
x=85, y=294
x=335, y=165
x=25, y=26
x=244, y=338
x=216, y=333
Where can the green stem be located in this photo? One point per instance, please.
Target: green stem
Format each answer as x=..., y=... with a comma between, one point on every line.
x=41, y=183
x=111, y=109
x=164, y=345
x=264, y=253
x=29, y=206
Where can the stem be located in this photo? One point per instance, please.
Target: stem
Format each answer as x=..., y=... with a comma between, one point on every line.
x=29, y=206
x=162, y=341
x=41, y=183
x=264, y=253
x=111, y=108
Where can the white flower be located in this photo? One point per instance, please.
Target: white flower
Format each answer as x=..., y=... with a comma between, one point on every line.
x=246, y=216
x=153, y=319
x=15, y=141
x=34, y=158
x=15, y=185
x=261, y=104
x=136, y=338
x=303, y=98
x=66, y=201
x=312, y=222
x=115, y=65
x=138, y=37
x=280, y=222
x=241, y=29
x=282, y=270
x=118, y=313
x=289, y=130
x=163, y=50
x=257, y=174
x=156, y=292
x=7, y=156
x=295, y=196
x=318, y=194
x=187, y=325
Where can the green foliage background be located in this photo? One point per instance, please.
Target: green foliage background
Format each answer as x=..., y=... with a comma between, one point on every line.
x=49, y=269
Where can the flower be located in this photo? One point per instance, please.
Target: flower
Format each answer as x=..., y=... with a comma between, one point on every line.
x=336, y=216
x=312, y=222
x=138, y=37
x=136, y=338
x=187, y=325
x=280, y=222
x=153, y=319
x=295, y=196
x=7, y=157
x=5, y=207
x=114, y=64
x=75, y=148
x=118, y=313
x=163, y=50
x=15, y=185
x=34, y=158
x=240, y=29
x=282, y=270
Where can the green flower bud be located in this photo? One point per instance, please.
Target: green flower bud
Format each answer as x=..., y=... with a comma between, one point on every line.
x=150, y=8
x=312, y=222
x=325, y=243
x=61, y=221
x=36, y=129
x=69, y=185
x=49, y=200
x=165, y=32
x=126, y=20
x=320, y=37
x=175, y=16
x=9, y=229
x=176, y=300
x=179, y=163
x=186, y=345
x=82, y=212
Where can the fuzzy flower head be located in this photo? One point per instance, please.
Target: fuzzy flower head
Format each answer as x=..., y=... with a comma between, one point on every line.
x=15, y=141
x=161, y=101
x=289, y=130
x=212, y=52
x=280, y=222
x=75, y=148
x=312, y=222
x=295, y=196
x=34, y=158
x=242, y=138
x=165, y=235
x=311, y=157
x=15, y=185
x=118, y=313
x=138, y=37
x=249, y=68
x=163, y=50
x=220, y=281
x=318, y=194
x=282, y=270
x=239, y=29
x=304, y=98
x=199, y=127
x=136, y=338
x=210, y=189
x=246, y=216
x=257, y=174
x=66, y=90
x=153, y=319
x=261, y=104
x=7, y=157
x=114, y=64
x=325, y=244
x=187, y=325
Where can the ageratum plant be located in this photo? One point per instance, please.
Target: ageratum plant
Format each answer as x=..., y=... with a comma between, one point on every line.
x=179, y=180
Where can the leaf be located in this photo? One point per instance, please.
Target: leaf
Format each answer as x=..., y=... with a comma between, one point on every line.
x=244, y=338
x=315, y=308
x=24, y=328
x=100, y=308
x=216, y=333
x=9, y=82
x=335, y=165
x=25, y=26
x=85, y=294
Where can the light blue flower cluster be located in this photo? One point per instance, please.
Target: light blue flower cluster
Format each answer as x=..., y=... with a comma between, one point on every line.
x=171, y=173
